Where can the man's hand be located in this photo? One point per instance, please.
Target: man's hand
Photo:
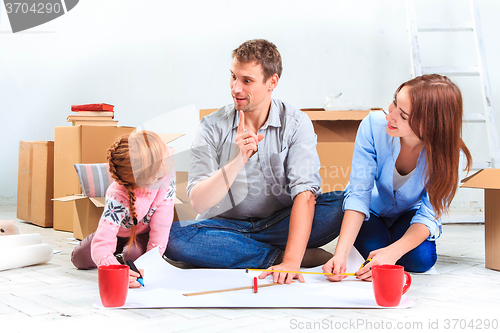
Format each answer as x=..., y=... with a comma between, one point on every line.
x=298, y=234
x=246, y=141
x=283, y=277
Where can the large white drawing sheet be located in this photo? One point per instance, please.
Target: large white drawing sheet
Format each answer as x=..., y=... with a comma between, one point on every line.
x=166, y=284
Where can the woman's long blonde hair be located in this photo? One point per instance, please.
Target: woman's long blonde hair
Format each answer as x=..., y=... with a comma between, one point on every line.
x=134, y=160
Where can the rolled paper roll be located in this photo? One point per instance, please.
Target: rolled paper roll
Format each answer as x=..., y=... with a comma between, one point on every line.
x=19, y=240
x=28, y=255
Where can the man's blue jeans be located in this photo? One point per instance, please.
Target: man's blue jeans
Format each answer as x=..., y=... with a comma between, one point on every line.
x=375, y=234
x=226, y=243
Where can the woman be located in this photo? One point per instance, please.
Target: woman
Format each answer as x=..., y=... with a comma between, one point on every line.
x=405, y=171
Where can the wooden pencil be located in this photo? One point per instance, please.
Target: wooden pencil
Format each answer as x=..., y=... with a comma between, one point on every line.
x=229, y=289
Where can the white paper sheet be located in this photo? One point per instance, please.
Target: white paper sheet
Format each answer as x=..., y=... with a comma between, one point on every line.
x=166, y=284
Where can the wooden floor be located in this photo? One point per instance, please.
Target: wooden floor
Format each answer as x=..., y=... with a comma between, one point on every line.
x=57, y=297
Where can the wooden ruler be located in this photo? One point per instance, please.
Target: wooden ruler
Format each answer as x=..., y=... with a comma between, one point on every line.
x=230, y=289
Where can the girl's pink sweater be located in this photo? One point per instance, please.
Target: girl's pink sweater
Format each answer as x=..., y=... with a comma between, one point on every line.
x=155, y=211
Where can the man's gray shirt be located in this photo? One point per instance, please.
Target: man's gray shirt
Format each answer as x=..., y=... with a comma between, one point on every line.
x=286, y=165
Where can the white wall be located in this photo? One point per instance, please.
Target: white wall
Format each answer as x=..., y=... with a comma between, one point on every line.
x=152, y=56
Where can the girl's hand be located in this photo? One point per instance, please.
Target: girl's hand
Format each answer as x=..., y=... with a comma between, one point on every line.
x=336, y=265
x=378, y=257
x=132, y=281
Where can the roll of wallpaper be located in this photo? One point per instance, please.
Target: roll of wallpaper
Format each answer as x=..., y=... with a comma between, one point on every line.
x=19, y=240
x=21, y=256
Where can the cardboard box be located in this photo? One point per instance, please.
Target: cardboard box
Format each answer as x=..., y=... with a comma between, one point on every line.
x=88, y=211
x=489, y=180
x=77, y=144
x=85, y=211
x=183, y=209
x=206, y=112
x=35, y=182
x=86, y=214
x=336, y=131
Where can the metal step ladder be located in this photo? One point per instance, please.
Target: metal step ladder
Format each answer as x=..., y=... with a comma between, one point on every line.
x=487, y=116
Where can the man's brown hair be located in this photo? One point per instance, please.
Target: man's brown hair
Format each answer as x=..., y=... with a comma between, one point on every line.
x=263, y=53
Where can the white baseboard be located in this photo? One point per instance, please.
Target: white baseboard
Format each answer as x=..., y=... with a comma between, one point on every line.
x=463, y=217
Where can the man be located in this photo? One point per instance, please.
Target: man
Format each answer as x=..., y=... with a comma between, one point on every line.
x=254, y=180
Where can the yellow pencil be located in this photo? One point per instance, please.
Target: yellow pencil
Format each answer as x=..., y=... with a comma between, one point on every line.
x=296, y=272
x=365, y=263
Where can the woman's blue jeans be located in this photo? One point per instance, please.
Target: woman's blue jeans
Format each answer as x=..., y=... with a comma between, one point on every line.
x=227, y=243
x=375, y=234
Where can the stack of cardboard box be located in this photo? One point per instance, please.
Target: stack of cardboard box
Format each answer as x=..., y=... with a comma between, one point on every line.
x=88, y=144
x=77, y=144
x=46, y=171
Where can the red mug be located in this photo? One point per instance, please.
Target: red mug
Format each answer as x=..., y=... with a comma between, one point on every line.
x=113, y=284
x=389, y=284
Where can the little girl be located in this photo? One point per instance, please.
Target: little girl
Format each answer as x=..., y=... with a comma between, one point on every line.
x=139, y=203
